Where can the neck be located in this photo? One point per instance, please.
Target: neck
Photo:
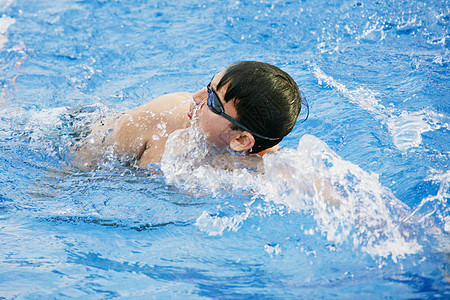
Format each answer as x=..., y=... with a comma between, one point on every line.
x=271, y=149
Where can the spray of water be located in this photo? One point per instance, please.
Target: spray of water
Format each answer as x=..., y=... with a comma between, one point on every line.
x=189, y=160
x=405, y=127
x=348, y=204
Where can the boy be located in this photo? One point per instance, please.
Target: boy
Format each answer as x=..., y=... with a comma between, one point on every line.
x=248, y=107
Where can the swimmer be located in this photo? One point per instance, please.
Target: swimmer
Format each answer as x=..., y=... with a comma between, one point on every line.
x=248, y=107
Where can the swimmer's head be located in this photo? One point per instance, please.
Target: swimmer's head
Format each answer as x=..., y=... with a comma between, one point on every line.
x=266, y=98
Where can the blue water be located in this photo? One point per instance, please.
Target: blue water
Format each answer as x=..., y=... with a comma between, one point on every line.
x=376, y=74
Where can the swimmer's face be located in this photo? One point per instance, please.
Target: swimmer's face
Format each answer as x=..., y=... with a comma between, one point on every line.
x=217, y=128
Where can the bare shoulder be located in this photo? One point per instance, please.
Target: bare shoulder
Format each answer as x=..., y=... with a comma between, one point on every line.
x=167, y=112
x=163, y=103
x=138, y=130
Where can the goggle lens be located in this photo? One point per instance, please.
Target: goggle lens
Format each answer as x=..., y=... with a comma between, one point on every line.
x=214, y=103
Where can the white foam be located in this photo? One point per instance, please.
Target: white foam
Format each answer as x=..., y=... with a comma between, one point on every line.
x=433, y=212
x=272, y=250
x=215, y=226
x=405, y=127
x=5, y=23
x=4, y=4
x=348, y=204
x=364, y=98
x=46, y=130
x=447, y=224
x=436, y=205
x=373, y=32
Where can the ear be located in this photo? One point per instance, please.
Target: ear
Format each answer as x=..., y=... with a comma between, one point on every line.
x=242, y=141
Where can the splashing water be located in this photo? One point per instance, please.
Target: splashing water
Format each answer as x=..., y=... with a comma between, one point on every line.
x=348, y=204
x=52, y=131
x=5, y=22
x=434, y=213
x=190, y=160
x=186, y=150
x=405, y=127
x=312, y=225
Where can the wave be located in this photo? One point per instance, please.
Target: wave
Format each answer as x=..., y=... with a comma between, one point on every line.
x=348, y=204
x=405, y=127
x=5, y=22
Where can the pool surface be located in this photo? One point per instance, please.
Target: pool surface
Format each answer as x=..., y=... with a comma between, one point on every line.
x=376, y=75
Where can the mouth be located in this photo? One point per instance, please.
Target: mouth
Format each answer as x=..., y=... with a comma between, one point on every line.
x=194, y=109
x=190, y=112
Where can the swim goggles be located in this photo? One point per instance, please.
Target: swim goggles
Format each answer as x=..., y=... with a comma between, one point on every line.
x=216, y=106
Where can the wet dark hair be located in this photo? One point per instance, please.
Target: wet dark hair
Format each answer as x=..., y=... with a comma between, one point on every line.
x=266, y=98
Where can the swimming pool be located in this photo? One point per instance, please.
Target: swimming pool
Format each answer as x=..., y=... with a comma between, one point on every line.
x=376, y=77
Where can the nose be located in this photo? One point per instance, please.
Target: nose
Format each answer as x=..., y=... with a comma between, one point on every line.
x=200, y=96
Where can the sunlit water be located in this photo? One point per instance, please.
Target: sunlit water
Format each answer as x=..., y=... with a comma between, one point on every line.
x=354, y=205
